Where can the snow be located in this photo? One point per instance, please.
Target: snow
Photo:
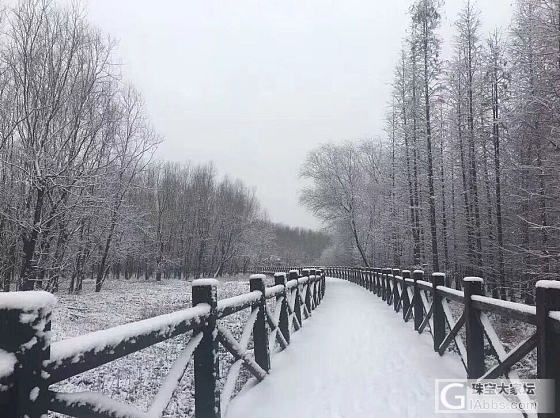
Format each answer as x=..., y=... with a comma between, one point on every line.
x=204, y=282
x=294, y=271
x=99, y=340
x=438, y=274
x=554, y=315
x=549, y=284
x=34, y=394
x=274, y=290
x=101, y=404
x=514, y=306
x=7, y=363
x=257, y=276
x=27, y=301
x=361, y=362
x=425, y=283
x=452, y=291
x=239, y=300
x=292, y=283
x=280, y=274
x=473, y=279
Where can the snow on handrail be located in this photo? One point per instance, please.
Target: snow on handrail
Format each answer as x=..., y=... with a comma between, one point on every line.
x=236, y=303
x=272, y=291
x=424, y=284
x=291, y=284
x=76, y=355
x=80, y=403
x=520, y=311
x=457, y=295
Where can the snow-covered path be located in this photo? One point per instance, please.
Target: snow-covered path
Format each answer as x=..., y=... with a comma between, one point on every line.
x=354, y=358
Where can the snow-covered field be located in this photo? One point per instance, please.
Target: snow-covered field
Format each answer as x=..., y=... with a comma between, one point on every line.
x=136, y=378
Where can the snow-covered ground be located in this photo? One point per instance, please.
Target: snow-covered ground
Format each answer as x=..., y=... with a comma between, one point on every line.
x=353, y=359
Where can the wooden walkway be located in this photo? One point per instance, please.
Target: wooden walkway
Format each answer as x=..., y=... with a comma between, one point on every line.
x=352, y=360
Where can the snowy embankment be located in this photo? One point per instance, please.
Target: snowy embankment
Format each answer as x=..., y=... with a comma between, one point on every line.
x=136, y=378
x=355, y=358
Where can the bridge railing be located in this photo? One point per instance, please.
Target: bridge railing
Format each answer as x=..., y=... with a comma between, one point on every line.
x=30, y=364
x=427, y=304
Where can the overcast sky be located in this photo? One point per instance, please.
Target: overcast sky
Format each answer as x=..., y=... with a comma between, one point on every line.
x=253, y=85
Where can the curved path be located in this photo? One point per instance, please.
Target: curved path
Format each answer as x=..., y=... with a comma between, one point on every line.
x=354, y=358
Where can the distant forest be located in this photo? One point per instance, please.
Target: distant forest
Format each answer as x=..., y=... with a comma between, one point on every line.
x=467, y=178
x=81, y=197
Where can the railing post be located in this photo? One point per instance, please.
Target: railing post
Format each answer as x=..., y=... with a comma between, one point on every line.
x=294, y=275
x=475, y=333
x=438, y=279
x=24, y=330
x=260, y=331
x=322, y=274
x=548, y=339
x=206, y=360
x=283, y=321
x=388, y=291
x=405, y=298
x=307, y=298
x=396, y=297
x=383, y=285
x=313, y=288
x=378, y=283
x=418, y=305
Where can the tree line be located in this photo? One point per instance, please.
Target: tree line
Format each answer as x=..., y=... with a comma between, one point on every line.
x=466, y=179
x=81, y=196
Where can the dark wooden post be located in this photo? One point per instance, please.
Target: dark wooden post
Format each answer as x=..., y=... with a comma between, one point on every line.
x=396, y=297
x=378, y=282
x=307, y=298
x=438, y=279
x=548, y=338
x=293, y=275
x=324, y=286
x=405, y=298
x=388, y=295
x=283, y=321
x=322, y=293
x=383, y=285
x=311, y=289
x=24, y=331
x=475, y=333
x=206, y=360
x=417, y=300
x=260, y=330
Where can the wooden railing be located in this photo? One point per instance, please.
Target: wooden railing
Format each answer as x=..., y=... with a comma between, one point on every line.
x=29, y=364
x=426, y=303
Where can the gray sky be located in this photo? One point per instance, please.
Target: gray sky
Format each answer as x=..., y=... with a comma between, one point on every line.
x=253, y=85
